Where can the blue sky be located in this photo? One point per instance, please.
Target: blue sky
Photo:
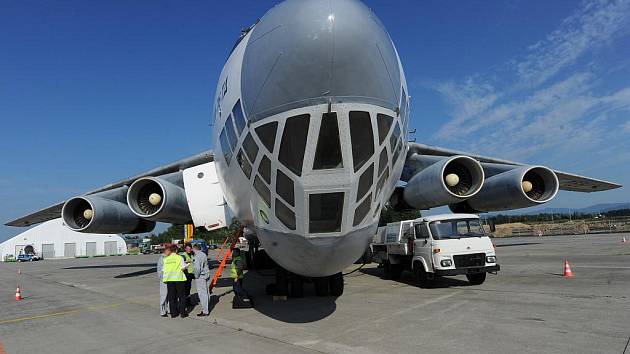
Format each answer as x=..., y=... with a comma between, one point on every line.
x=91, y=92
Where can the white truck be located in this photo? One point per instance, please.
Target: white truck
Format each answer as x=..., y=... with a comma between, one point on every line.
x=435, y=246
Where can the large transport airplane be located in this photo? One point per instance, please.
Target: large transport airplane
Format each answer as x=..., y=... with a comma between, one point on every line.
x=311, y=118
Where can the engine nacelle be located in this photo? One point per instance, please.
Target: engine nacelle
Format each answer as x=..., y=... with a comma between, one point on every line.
x=520, y=187
x=160, y=199
x=444, y=181
x=99, y=214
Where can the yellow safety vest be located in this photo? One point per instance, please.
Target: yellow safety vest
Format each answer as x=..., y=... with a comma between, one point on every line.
x=172, y=269
x=189, y=259
x=235, y=273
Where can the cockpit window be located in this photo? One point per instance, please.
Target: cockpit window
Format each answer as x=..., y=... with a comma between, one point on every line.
x=381, y=181
x=403, y=108
x=229, y=128
x=225, y=147
x=362, y=210
x=294, y=142
x=239, y=118
x=384, y=123
x=267, y=134
x=362, y=138
x=284, y=187
x=285, y=215
x=251, y=149
x=328, y=151
x=325, y=212
x=365, y=182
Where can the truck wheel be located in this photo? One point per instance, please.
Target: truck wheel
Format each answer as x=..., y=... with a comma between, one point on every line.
x=336, y=284
x=321, y=286
x=421, y=277
x=387, y=271
x=476, y=279
x=396, y=271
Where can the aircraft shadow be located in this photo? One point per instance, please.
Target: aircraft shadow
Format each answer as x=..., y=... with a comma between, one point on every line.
x=407, y=278
x=309, y=308
x=108, y=266
x=136, y=274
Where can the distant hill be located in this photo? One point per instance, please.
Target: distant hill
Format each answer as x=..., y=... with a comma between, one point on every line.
x=593, y=209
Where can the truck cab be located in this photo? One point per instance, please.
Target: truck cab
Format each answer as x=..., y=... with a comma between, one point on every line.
x=436, y=246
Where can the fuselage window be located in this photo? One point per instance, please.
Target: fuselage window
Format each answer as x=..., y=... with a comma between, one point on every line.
x=365, y=182
x=284, y=187
x=325, y=212
x=394, y=138
x=362, y=138
x=384, y=123
x=264, y=168
x=328, y=151
x=382, y=161
x=262, y=190
x=229, y=128
x=267, y=134
x=239, y=118
x=251, y=149
x=245, y=165
x=403, y=108
x=362, y=210
x=225, y=146
x=294, y=142
x=285, y=215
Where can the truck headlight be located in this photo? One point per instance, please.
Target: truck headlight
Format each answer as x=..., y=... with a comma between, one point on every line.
x=491, y=259
x=446, y=263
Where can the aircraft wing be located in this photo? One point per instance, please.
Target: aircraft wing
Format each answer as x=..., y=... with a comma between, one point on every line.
x=54, y=211
x=568, y=181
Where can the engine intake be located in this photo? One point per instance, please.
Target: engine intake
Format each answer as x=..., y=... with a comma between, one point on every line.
x=160, y=199
x=443, y=181
x=520, y=187
x=97, y=214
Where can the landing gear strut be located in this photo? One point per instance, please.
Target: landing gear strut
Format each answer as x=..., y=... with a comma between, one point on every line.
x=293, y=285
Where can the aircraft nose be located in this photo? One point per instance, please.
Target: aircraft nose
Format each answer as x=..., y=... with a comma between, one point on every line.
x=306, y=52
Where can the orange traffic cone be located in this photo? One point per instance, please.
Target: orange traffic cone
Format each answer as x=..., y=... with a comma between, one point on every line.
x=18, y=294
x=567, y=270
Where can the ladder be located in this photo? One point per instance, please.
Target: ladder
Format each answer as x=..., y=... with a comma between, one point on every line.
x=228, y=254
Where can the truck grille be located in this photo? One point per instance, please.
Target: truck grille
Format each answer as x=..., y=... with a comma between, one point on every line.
x=470, y=260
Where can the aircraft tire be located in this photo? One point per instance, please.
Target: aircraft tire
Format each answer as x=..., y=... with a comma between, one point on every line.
x=336, y=284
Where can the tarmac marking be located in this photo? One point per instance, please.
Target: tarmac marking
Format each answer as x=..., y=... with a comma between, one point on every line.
x=61, y=313
x=604, y=267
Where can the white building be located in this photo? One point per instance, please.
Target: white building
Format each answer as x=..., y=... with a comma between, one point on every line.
x=53, y=240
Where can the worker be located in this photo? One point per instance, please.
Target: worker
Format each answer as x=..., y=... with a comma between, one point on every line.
x=202, y=279
x=163, y=287
x=188, y=256
x=175, y=279
x=236, y=272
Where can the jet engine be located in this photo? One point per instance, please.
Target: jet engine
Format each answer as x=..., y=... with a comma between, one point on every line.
x=160, y=199
x=520, y=187
x=443, y=181
x=103, y=213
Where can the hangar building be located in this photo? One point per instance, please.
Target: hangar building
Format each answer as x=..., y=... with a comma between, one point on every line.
x=53, y=240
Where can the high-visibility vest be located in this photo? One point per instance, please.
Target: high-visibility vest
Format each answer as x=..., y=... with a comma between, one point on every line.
x=188, y=260
x=172, y=269
x=234, y=271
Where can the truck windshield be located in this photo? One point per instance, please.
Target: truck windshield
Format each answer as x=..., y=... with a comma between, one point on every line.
x=456, y=228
